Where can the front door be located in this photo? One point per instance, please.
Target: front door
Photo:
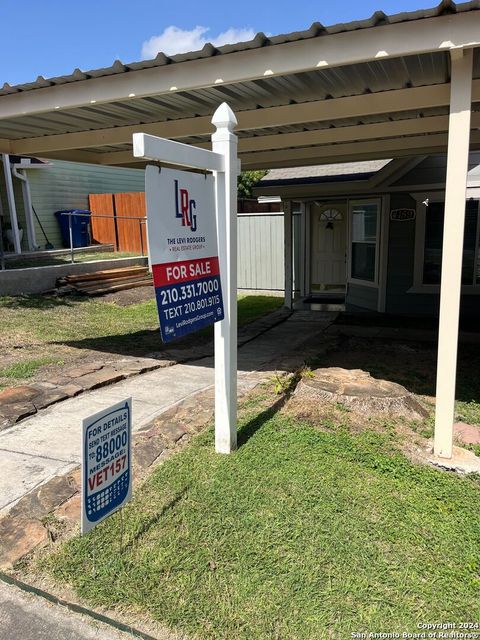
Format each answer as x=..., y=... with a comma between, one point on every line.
x=328, y=247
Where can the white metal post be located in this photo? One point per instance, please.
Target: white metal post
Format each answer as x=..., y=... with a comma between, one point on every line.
x=27, y=201
x=224, y=141
x=11, y=202
x=288, y=249
x=303, y=250
x=452, y=253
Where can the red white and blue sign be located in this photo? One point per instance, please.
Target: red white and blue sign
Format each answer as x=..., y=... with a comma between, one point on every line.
x=106, y=463
x=183, y=250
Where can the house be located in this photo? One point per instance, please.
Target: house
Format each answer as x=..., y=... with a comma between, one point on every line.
x=369, y=234
x=32, y=189
x=398, y=86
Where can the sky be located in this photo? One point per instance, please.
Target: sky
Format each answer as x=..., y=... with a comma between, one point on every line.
x=54, y=37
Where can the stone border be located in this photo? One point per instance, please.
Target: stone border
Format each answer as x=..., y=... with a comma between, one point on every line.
x=29, y=524
x=17, y=403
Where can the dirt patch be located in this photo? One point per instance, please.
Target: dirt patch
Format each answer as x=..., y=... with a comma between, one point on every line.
x=410, y=364
x=129, y=296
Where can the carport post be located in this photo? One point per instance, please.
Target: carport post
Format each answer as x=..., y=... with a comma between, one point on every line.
x=288, y=249
x=224, y=141
x=11, y=203
x=452, y=253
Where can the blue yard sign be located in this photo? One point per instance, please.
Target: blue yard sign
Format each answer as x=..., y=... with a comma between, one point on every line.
x=106, y=463
x=182, y=237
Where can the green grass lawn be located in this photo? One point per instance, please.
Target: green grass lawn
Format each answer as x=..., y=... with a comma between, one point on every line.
x=300, y=534
x=47, y=319
x=39, y=330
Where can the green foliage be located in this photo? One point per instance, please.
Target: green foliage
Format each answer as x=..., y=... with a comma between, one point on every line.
x=27, y=368
x=247, y=180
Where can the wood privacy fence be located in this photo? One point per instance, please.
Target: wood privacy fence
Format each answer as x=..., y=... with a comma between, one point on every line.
x=260, y=237
x=123, y=227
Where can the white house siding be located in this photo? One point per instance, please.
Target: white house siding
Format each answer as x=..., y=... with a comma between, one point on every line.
x=66, y=185
x=261, y=252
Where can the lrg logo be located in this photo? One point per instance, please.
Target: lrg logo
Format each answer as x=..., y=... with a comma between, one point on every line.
x=186, y=209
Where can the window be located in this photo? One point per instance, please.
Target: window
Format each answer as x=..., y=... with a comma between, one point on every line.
x=432, y=254
x=365, y=218
x=330, y=215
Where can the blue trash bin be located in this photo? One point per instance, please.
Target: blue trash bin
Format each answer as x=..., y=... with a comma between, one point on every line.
x=80, y=227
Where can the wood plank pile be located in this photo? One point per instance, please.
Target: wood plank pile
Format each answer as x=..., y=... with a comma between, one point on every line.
x=98, y=283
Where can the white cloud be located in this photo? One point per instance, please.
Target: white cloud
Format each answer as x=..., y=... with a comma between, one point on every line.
x=230, y=36
x=175, y=40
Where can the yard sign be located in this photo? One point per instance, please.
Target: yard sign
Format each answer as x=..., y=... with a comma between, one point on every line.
x=183, y=250
x=106, y=463
x=186, y=213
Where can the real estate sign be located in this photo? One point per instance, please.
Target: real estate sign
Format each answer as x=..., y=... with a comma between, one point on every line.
x=183, y=249
x=106, y=463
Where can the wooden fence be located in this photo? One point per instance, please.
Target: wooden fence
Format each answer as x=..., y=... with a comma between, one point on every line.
x=260, y=237
x=123, y=227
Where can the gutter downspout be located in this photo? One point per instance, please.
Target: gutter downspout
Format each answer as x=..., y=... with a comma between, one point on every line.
x=11, y=202
x=27, y=199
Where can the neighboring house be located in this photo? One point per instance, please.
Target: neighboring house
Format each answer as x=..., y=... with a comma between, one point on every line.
x=52, y=185
x=371, y=233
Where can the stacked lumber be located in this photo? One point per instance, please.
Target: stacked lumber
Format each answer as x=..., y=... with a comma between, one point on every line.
x=98, y=283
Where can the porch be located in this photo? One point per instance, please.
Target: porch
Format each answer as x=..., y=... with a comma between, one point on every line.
x=367, y=236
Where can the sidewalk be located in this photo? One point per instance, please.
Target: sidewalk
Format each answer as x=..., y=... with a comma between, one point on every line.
x=25, y=616
x=47, y=444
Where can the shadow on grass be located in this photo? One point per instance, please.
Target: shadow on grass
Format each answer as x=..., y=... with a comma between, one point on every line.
x=138, y=343
x=411, y=364
x=255, y=424
x=38, y=302
x=155, y=519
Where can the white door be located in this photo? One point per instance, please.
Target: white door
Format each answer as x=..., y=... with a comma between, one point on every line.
x=328, y=248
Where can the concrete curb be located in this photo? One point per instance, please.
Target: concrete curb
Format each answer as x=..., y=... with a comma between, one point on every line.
x=76, y=608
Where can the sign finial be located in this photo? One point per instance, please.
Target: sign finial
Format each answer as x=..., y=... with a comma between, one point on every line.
x=224, y=117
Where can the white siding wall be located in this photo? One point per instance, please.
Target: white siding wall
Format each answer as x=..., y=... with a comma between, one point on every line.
x=260, y=251
x=66, y=185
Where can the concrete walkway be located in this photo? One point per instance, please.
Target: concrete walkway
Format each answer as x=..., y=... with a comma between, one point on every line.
x=25, y=616
x=48, y=443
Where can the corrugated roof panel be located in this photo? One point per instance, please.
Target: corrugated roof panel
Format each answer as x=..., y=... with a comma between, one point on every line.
x=317, y=30
x=268, y=92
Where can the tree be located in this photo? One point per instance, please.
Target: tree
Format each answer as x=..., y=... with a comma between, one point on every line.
x=247, y=180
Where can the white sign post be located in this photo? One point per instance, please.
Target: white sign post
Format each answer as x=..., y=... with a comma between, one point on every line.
x=222, y=161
